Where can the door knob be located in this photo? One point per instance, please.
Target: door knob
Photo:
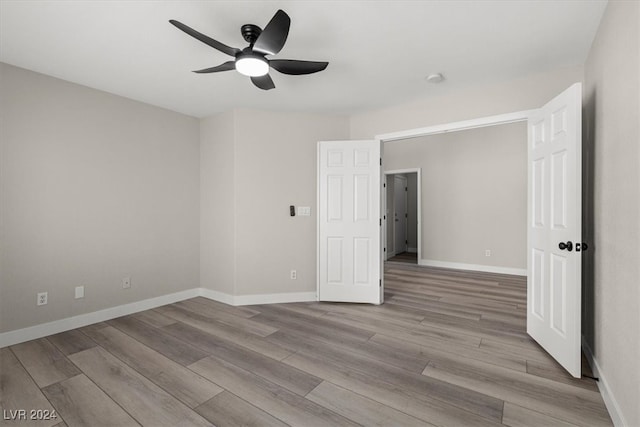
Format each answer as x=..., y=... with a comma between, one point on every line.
x=568, y=246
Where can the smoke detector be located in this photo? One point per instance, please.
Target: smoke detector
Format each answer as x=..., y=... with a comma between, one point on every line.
x=435, y=78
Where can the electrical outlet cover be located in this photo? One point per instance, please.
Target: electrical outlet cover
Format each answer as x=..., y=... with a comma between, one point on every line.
x=42, y=298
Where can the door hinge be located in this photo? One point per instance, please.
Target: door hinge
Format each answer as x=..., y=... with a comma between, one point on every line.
x=384, y=250
x=380, y=222
x=384, y=184
x=406, y=242
x=406, y=188
x=380, y=161
x=406, y=215
x=380, y=282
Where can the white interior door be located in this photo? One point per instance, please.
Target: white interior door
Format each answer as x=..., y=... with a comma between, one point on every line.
x=349, y=221
x=554, y=228
x=400, y=214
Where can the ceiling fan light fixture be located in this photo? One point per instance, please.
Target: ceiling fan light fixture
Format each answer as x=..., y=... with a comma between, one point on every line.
x=252, y=65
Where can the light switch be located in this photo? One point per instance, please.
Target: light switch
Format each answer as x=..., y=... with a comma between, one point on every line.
x=304, y=211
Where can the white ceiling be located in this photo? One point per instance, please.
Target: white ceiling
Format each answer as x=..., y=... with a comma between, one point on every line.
x=379, y=52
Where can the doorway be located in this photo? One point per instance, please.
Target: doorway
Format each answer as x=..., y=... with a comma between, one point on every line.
x=402, y=217
x=553, y=218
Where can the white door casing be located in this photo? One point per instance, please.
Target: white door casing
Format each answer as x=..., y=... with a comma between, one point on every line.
x=349, y=221
x=554, y=217
x=399, y=214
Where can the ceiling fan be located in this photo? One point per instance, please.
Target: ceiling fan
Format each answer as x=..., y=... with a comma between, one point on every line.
x=251, y=61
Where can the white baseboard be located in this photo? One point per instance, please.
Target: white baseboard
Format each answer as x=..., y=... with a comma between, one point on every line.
x=609, y=400
x=45, y=329
x=217, y=296
x=473, y=267
x=57, y=326
x=274, y=298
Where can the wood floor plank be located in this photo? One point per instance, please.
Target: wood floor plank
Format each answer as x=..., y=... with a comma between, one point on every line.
x=391, y=356
x=153, y=318
x=268, y=368
x=80, y=402
x=412, y=383
x=155, y=338
x=227, y=409
x=93, y=326
x=445, y=351
x=143, y=400
x=361, y=409
x=517, y=416
x=72, y=341
x=436, y=307
x=240, y=311
x=556, y=372
x=421, y=406
x=375, y=311
x=530, y=351
x=223, y=331
x=18, y=391
x=422, y=335
x=183, y=384
x=44, y=362
x=571, y=404
x=289, y=407
x=322, y=326
x=226, y=318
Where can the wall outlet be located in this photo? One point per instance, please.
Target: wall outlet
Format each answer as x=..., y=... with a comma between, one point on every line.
x=126, y=283
x=79, y=292
x=43, y=298
x=487, y=252
x=294, y=275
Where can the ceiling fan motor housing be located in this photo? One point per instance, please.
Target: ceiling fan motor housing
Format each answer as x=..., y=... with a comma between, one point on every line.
x=250, y=33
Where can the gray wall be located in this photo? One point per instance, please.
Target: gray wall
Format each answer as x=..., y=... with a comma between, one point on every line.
x=474, y=193
x=217, y=203
x=469, y=103
x=612, y=204
x=254, y=165
x=94, y=188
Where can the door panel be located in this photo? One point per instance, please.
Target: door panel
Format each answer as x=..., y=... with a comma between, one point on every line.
x=349, y=229
x=554, y=272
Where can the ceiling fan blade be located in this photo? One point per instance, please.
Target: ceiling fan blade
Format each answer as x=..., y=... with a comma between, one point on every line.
x=263, y=82
x=206, y=39
x=274, y=35
x=227, y=66
x=294, y=67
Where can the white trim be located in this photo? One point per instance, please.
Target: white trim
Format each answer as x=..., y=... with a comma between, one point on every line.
x=274, y=298
x=500, y=119
x=473, y=267
x=57, y=326
x=217, y=296
x=603, y=386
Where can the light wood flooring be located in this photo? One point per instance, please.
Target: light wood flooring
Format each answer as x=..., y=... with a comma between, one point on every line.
x=447, y=348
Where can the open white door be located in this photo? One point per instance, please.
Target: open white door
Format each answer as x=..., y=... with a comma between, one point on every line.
x=349, y=221
x=554, y=228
